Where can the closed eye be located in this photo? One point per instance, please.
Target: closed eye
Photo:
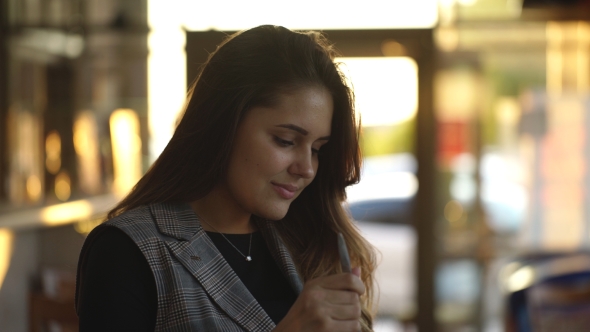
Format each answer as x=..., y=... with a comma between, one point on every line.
x=283, y=142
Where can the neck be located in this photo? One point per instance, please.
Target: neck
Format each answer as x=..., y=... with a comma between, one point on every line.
x=216, y=216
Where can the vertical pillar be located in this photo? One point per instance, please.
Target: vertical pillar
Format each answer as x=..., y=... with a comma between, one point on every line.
x=425, y=214
x=3, y=94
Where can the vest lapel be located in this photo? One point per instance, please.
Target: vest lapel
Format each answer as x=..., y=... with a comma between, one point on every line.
x=196, y=252
x=280, y=253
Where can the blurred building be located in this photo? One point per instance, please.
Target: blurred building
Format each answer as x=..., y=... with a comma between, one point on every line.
x=475, y=135
x=73, y=113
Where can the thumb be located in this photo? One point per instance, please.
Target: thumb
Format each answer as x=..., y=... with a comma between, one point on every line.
x=356, y=271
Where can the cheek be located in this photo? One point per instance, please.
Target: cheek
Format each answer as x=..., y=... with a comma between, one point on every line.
x=255, y=163
x=270, y=159
x=257, y=159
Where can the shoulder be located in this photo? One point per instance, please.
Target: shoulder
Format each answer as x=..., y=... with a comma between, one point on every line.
x=138, y=224
x=109, y=240
x=165, y=221
x=110, y=245
x=140, y=216
x=105, y=236
x=110, y=256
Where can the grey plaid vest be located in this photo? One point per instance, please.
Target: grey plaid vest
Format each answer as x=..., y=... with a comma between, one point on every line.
x=197, y=289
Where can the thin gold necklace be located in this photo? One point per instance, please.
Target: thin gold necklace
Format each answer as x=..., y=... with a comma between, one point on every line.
x=248, y=258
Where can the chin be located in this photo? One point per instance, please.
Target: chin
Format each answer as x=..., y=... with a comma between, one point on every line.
x=274, y=213
x=273, y=216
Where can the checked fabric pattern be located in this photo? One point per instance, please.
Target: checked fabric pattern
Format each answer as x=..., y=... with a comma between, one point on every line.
x=197, y=289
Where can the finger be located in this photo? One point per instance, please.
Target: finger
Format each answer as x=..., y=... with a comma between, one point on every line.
x=341, y=297
x=352, y=325
x=345, y=325
x=346, y=311
x=343, y=281
x=356, y=271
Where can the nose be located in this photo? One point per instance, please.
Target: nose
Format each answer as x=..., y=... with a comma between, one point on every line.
x=304, y=165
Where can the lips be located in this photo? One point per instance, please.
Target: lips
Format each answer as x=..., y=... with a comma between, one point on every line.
x=286, y=191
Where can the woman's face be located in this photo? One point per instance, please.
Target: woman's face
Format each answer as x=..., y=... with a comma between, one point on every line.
x=275, y=152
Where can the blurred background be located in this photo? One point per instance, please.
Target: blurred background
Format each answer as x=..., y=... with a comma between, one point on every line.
x=475, y=113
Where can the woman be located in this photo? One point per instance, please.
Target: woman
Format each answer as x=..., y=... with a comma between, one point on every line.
x=234, y=226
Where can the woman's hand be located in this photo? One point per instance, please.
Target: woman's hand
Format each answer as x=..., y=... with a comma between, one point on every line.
x=328, y=303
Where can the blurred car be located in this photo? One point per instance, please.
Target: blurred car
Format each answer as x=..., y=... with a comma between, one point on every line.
x=391, y=210
x=547, y=292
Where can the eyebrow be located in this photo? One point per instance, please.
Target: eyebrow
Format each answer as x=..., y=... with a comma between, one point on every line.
x=301, y=131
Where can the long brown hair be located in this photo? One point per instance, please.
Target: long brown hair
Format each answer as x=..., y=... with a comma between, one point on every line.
x=251, y=68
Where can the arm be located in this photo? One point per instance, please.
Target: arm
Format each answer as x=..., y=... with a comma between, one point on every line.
x=117, y=288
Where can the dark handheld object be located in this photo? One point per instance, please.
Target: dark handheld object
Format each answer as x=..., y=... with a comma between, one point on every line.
x=343, y=251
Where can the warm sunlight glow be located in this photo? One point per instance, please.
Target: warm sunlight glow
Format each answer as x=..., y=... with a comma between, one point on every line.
x=554, y=58
x=53, y=152
x=86, y=145
x=456, y=94
x=583, y=57
x=126, y=144
x=521, y=279
x=33, y=188
x=310, y=14
x=84, y=227
x=454, y=213
x=168, y=21
x=385, y=88
x=66, y=213
x=166, y=69
x=63, y=186
x=6, y=239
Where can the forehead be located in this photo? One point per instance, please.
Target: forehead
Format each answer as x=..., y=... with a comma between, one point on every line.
x=310, y=108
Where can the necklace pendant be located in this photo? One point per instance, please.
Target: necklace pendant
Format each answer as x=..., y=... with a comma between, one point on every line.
x=248, y=258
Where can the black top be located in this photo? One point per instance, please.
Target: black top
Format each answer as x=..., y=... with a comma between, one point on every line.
x=119, y=292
